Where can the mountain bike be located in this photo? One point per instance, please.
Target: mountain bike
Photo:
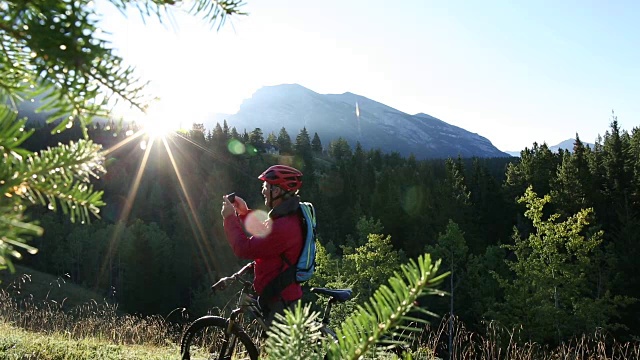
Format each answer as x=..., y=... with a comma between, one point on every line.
x=235, y=337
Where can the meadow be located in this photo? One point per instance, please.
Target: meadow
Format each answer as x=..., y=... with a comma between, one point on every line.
x=36, y=327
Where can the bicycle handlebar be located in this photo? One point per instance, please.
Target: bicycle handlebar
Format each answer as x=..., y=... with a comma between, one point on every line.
x=222, y=283
x=245, y=269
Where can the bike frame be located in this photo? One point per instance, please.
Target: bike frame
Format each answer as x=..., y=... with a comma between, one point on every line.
x=248, y=304
x=245, y=304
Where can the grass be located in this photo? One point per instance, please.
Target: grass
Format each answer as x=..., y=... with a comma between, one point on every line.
x=46, y=326
x=95, y=320
x=44, y=317
x=26, y=283
x=17, y=343
x=497, y=342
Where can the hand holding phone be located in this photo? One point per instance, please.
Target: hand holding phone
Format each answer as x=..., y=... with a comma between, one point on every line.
x=238, y=203
x=228, y=208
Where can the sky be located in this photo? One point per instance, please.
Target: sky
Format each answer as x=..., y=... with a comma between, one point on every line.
x=513, y=71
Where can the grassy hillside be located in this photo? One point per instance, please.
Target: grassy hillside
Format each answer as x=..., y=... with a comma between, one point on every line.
x=36, y=286
x=16, y=343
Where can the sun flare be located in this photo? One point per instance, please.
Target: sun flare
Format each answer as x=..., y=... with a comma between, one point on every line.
x=159, y=120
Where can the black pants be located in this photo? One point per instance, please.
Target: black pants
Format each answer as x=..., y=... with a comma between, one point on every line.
x=277, y=307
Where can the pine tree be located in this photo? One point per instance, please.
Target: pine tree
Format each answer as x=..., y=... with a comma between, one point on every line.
x=218, y=139
x=452, y=249
x=372, y=264
x=303, y=150
x=572, y=185
x=456, y=198
x=218, y=134
x=339, y=149
x=197, y=133
x=620, y=214
x=271, y=139
x=490, y=212
x=617, y=163
x=303, y=142
x=225, y=130
x=235, y=134
x=316, y=144
x=552, y=295
x=256, y=138
x=635, y=154
x=284, y=142
x=537, y=167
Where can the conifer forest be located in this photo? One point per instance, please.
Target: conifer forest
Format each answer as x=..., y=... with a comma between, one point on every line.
x=548, y=241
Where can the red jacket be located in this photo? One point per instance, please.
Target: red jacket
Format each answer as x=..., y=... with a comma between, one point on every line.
x=283, y=235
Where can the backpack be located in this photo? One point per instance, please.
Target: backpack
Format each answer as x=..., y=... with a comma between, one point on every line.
x=307, y=261
x=303, y=269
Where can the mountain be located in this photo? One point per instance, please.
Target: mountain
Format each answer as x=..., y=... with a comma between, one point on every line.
x=566, y=145
x=293, y=107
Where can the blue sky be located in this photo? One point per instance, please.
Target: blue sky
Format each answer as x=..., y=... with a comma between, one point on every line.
x=513, y=71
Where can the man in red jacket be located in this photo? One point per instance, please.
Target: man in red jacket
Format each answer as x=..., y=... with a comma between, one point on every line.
x=278, y=239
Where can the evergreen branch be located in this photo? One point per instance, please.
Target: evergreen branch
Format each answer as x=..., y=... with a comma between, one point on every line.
x=217, y=11
x=15, y=232
x=212, y=11
x=71, y=63
x=12, y=133
x=295, y=335
x=57, y=175
x=387, y=309
x=61, y=174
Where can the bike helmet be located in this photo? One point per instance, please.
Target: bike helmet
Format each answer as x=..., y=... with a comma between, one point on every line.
x=283, y=176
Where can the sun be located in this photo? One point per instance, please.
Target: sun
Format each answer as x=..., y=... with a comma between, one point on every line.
x=161, y=120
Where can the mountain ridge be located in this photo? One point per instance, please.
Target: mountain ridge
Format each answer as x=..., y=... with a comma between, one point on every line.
x=354, y=118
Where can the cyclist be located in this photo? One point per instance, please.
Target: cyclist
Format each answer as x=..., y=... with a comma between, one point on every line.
x=278, y=241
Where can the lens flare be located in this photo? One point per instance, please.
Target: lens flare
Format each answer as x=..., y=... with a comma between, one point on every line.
x=412, y=201
x=159, y=120
x=255, y=223
x=236, y=147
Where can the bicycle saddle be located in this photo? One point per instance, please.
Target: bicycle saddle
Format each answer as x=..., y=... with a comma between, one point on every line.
x=340, y=295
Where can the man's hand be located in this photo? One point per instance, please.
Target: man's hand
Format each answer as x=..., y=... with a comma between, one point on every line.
x=241, y=206
x=227, y=207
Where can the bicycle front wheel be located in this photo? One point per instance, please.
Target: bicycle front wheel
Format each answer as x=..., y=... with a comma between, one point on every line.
x=207, y=338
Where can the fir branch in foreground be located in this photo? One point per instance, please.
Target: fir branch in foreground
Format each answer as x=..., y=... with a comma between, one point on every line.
x=15, y=232
x=387, y=310
x=62, y=173
x=296, y=335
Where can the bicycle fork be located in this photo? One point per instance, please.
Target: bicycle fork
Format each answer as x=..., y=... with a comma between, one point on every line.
x=230, y=340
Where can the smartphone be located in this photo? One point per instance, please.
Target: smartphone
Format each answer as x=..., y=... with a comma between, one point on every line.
x=232, y=197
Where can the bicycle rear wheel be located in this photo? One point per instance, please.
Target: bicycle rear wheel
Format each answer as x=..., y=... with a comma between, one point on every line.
x=206, y=338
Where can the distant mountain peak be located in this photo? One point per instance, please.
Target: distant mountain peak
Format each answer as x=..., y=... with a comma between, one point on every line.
x=568, y=145
x=565, y=145
x=284, y=88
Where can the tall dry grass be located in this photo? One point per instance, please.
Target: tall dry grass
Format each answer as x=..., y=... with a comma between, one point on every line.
x=92, y=320
x=498, y=342
x=103, y=321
